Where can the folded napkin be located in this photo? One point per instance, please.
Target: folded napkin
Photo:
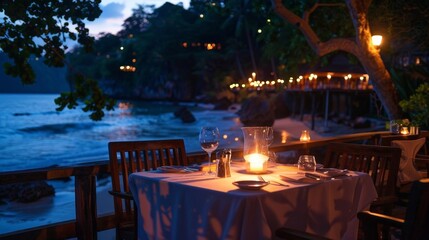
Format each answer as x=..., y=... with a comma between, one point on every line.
x=175, y=169
x=321, y=174
x=203, y=167
x=328, y=173
x=298, y=178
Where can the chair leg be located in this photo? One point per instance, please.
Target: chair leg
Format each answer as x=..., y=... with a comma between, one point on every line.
x=135, y=221
x=118, y=234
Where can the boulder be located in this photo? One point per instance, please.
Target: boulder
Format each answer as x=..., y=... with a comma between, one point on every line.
x=256, y=111
x=26, y=192
x=281, y=108
x=222, y=104
x=185, y=115
x=361, y=122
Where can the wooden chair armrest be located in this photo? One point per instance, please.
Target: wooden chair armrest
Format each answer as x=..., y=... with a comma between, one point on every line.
x=422, y=157
x=422, y=162
x=292, y=234
x=371, y=218
x=124, y=195
x=385, y=200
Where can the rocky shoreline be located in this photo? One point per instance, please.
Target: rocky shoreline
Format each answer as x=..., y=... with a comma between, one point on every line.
x=25, y=192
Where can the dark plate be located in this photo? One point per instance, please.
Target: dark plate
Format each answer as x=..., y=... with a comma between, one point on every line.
x=251, y=184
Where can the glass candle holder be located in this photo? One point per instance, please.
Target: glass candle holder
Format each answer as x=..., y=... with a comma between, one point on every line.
x=255, y=150
x=404, y=131
x=305, y=136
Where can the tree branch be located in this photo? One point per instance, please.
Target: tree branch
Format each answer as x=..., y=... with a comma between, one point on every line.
x=319, y=47
x=306, y=15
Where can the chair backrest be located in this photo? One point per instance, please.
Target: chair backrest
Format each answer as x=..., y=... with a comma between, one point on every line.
x=380, y=162
x=416, y=225
x=135, y=156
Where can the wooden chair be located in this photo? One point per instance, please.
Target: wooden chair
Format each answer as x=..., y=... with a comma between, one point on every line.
x=136, y=156
x=380, y=162
x=415, y=225
x=422, y=157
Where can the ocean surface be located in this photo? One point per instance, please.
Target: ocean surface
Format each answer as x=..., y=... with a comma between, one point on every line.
x=34, y=135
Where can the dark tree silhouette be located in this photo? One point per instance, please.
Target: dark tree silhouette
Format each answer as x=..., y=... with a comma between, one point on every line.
x=42, y=28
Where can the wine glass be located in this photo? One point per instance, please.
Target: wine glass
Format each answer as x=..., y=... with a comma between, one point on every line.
x=307, y=163
x=209, y=141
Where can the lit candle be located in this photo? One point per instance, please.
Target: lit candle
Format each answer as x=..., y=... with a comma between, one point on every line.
x=305, y=136
x=404, y=131
x=256, y=162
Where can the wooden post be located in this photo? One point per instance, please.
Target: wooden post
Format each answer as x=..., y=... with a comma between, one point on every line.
x=313, y=109
x=86, y=207
x=325, y=123
x=302, y=107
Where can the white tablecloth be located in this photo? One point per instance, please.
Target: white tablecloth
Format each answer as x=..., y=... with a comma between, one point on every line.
x=196, y=206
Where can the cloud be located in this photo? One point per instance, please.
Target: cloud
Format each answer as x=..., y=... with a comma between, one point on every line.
x=116, y=11
x=112, y=10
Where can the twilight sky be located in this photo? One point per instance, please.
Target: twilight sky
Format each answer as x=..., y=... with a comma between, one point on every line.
x=116, y=11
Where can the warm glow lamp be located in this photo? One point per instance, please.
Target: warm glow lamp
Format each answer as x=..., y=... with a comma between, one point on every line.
x=376, y=40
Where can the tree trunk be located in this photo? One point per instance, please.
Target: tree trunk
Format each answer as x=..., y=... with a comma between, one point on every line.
x=361, y=47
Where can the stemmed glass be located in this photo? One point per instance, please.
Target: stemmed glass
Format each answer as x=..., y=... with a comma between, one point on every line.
x=209, y=141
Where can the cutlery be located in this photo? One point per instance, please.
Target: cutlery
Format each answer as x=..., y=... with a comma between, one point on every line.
x=312, y=176
x=327, y=170
x=261, y=179
x=275, y=182
x=279, y=183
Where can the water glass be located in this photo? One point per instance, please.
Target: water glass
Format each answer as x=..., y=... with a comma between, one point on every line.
x=394, y=127
x=307, y=163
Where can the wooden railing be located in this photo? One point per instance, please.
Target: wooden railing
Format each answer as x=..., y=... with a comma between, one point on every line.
x=87, y=223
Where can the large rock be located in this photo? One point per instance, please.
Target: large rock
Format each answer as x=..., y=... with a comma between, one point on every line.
x=184, y=114
x=280, y=105
x=222, y=104
x=26, y=192
x=256, y=111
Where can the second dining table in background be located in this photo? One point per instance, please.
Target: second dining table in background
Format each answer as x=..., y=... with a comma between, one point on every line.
x=196, y=206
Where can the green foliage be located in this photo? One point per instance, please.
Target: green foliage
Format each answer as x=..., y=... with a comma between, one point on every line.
x=88, y=92
x=167, y=48
x=41, y=29
x=404, y=25
x=406, y=80
x=283, y=41
x=417, y=106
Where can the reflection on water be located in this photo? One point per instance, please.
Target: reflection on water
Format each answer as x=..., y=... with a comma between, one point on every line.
x=34, y=135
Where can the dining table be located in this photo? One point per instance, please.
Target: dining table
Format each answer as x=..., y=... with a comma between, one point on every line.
x=194, y=205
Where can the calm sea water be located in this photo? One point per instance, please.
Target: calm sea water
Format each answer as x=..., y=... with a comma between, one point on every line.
x=34, y=135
